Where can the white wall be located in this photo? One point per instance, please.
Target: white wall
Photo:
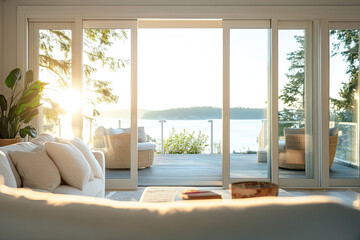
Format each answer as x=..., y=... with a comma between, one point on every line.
x=10, y=15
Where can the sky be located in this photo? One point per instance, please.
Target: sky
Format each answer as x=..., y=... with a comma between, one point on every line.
x=183, y=68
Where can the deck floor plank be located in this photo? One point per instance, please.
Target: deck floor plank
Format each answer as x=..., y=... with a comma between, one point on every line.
x=206, y=170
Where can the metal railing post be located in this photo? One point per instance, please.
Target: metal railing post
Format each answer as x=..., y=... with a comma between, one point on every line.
x=212, y=135
x=59, y=123
x=162, y=135
x=90, y=135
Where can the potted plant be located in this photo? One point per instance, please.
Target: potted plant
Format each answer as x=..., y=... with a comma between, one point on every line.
x=20, y=109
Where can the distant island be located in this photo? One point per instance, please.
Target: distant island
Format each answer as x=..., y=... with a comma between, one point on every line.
x=192, y=113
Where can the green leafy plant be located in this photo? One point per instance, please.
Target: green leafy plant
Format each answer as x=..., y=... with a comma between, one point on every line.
x=22, y=107
x=185, y=143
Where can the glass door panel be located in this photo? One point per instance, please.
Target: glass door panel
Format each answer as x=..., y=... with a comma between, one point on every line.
x=292, y=103
x=53, y=63
x=248, y=56
x=108, y=88
x=179, y=106
x=249, y=66
x=344, y=102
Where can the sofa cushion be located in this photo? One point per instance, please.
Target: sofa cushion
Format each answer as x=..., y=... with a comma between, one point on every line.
x=89, y=156
x=36, y=169
x=73, y=167
x=91, y=188
x=6, y=172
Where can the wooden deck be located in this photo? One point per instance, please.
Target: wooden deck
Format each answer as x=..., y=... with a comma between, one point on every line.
x=206, y=170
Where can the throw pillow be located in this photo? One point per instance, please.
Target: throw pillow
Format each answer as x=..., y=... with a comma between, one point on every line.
x=141, y=134
x=100, y=131
x=89, y=156
x=73, y=167
x=36, y=169
x=6, y=172
x=333, y=131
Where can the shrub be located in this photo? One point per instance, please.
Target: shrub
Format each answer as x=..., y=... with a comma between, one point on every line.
x=185, y=143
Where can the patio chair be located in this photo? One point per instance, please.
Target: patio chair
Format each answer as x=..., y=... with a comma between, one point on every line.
x=292, y=154
x=115, y=144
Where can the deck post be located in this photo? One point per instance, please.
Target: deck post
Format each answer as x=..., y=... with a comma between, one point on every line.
x=212, y=135
x=162, y=135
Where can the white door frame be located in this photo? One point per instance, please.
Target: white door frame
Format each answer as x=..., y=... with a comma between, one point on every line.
x=321, y=16
x=311, y=99
x=77, y=80
x=326, y=26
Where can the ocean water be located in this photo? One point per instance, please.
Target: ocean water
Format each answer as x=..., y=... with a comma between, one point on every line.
x=243, y=133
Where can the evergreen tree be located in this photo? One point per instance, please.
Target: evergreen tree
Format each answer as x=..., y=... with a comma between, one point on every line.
x=97, y=43
x=345, y=108
x=292, y=95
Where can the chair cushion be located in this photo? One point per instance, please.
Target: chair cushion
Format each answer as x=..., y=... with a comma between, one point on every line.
x=36, y=169
x=294, y=131
x=114, y=131
x=144, y=146
x=281, y=145
x=73, y=167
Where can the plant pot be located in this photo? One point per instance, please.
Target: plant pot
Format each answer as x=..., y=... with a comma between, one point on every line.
x=9, y=141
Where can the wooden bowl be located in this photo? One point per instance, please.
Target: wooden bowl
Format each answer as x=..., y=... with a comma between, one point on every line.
x=253, y=189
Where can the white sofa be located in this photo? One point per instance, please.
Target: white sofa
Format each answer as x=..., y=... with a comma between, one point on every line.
x=94, y=188
x=25, y=214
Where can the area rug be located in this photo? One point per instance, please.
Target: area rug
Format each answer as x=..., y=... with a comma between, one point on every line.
x=165, y=194
x=133, y=195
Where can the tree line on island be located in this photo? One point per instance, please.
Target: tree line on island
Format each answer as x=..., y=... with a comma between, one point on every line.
x=191, y=113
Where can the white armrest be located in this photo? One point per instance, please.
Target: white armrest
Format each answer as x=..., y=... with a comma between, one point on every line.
x=100, y=158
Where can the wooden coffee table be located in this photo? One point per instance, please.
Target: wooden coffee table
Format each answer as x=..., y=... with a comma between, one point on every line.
x=225, y=193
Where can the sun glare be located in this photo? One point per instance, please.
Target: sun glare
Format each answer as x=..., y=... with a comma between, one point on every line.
x=71, y=101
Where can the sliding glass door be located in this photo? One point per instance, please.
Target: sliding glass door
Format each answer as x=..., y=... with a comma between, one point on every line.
x=110, y=97
x=344, y=154
x=102, y=98
x=296, y=105
x=246, y=101
x=52, y=63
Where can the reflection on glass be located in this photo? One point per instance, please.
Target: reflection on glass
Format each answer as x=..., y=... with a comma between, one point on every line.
x=344, y=104
x=107, y=93
x=249, y=66
x=55, y=68
x=292, y=157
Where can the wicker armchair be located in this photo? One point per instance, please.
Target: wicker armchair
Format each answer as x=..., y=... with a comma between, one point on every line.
x=116, y=149
x=293, y=155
